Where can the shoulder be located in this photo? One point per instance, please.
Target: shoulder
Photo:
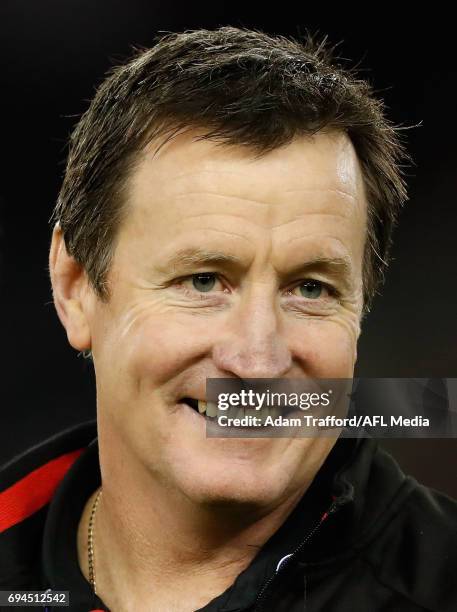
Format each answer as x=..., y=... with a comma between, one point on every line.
x=27, y=485
x=415, y=553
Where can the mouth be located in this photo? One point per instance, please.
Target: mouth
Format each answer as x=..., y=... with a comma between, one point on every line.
x=201, y=407
x=209, y=411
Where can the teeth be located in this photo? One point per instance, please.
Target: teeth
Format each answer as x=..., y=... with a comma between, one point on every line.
x=263, y=414
x=208, y=408
x=271, y=411
x=211, y=409
x=251, y=412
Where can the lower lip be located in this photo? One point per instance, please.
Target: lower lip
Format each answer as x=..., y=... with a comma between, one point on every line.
x=202, y=422
x=195, y=416
x=196, y=420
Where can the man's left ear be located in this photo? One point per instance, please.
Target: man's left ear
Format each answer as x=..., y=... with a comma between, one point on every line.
x=71, y=292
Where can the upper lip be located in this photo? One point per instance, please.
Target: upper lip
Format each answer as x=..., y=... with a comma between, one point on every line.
x=194, y=404
x=192, y=401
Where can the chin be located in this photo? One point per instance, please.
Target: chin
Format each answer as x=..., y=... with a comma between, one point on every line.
x=235, y=489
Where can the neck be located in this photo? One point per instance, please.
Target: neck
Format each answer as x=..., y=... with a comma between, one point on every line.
x=152, y=545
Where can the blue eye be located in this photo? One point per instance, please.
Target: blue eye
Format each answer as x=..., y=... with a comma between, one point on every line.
x=203, y=282
x=311, y=289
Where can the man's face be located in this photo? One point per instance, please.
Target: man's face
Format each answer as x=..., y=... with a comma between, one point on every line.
x=227, y=265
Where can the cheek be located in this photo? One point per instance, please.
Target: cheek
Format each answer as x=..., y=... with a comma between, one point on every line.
x=155, y=347
x=328, y=349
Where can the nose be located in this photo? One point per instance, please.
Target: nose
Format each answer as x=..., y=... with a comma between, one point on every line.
x=252, y=344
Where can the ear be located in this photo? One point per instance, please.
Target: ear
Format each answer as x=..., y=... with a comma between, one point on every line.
x=71, y=292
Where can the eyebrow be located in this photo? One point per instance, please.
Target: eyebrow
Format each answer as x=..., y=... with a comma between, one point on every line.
x=190, y=258
x=341, y=266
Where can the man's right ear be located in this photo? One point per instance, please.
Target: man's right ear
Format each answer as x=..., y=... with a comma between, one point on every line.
x=71, y=292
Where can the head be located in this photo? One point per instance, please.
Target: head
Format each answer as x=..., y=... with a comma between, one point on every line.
x=226, y=211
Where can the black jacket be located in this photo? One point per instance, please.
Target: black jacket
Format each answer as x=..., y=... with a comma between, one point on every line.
x=364, y=538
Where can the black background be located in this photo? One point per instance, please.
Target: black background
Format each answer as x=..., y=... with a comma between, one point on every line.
x=54, y=53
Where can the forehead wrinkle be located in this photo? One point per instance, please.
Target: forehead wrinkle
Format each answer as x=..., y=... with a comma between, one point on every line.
x=342, y=255
x=265, y=224
x=213, y=171
x=303, y=217
x=221, y=231
x=238, y=196
x=222, y=195
x=340, y=192
x=322, y=235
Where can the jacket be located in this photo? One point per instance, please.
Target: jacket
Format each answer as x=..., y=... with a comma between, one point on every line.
x=364, y=537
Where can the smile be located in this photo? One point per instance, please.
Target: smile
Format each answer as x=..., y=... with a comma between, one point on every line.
x=208, y=409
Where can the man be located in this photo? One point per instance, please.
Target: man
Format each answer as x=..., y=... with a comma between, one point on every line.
x=226, y=212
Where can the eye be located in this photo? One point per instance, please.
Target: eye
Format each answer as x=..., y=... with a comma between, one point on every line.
x=202, y=285
x=310, y=289
x=203, y=282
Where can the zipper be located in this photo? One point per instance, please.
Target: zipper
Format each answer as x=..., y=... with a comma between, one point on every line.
x=260, y=601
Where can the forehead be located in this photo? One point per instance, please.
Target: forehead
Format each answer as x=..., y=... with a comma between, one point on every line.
x=325, y=162
x=310, y=190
